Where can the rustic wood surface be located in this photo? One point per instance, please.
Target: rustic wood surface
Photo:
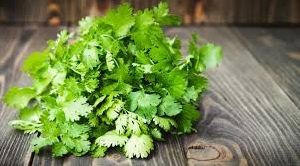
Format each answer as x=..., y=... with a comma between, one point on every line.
x=278, y=50
x=191, y=11
x=250, y=114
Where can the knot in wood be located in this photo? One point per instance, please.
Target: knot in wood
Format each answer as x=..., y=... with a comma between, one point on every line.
x=204, y=151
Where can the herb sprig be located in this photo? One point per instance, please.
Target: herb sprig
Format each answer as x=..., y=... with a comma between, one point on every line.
x=119, y=81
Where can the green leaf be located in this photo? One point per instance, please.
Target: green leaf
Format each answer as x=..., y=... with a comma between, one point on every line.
x=191, y=94
x=35, y=62
x=130, y=123
x=186, y=118
x=99, y=151
x=156, y=134
x=30, y=114
x=111, y=139
x=59, y=149
x=110, y=62
x=121, y=20
x=74, y=109
x=19, y=97
x=204, y=57
x=162, y=16
x=109, y=101
x=164, y=123
x=121, y=123
x=90, y=57
x=175, y=83
x=144, y=104
x=147, y=112
x=85, y=24
x=38, y=143
x=26, y=126
x=113, y=112
x=144, y=20
x=169, y=106
x=82, y=146
x=211, y=55
x=138, y=146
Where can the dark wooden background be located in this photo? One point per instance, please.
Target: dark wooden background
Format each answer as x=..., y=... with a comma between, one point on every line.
x=68, y=12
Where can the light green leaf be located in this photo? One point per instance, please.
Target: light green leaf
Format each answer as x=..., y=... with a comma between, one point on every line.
x=211, y=55
x=138, y=146
x=164, y=123
x=26, y=126
x=19, y=97
x=74, y=109
x=111, y=139
x=169, y=106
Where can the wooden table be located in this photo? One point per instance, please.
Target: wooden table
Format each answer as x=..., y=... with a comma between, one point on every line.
x=250, y=114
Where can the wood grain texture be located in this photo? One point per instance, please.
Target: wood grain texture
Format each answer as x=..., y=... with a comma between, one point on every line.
x=23, y=11
x=14, y=145
x=277, y=49
x=244, y=108
x=9, y=38
x=252, y=12
x=211, y=11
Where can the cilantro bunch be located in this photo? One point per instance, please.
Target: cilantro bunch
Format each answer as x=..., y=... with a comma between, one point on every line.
x=117, y=82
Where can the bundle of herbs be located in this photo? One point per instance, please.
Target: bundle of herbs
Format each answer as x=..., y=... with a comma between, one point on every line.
x=118, y=82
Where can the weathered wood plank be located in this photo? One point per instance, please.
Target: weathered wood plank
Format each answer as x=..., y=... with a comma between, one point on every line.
x=244, y=108
x=14, y=145
x=25, y=11
x=11, y=142
x=215, y=11
x=278, y=50
x=9, y=38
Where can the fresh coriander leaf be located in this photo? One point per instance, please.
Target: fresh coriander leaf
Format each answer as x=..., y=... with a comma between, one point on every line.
x=186, y=118
x=90, y=57
x=99, y=151
x=113, y=112
x=74, y=109
x=161, y=13
x=138, y=146
x=156, y=134
x=175, y=83
x=59, y=149
x=191, y=94
x=26, y=126
x=35, y=62
x=19, y=97
x=30, y=114
x=121, y=20
x=110, y=61
x=210, y=55
x=144, y=104
x=164, y=123
x=39, y=142
x=85, y=24
x=111, y=139
x=169, y=106
x=144, y=19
